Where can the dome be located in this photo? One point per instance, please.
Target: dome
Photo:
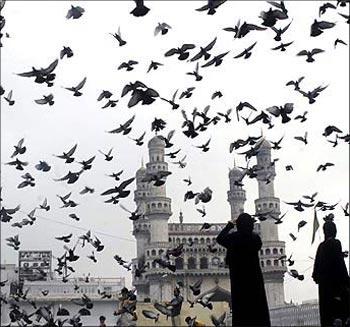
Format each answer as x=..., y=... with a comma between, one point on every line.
x=235, y=173
x=156, y=142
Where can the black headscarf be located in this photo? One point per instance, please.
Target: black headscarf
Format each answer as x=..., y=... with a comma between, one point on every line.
x=329, y=229
x=245, y=223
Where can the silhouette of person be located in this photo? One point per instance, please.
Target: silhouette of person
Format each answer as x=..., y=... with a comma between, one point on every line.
x=249, y=303
x=332, y=277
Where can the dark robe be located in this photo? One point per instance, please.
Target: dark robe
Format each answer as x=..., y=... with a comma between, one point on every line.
x=249, y=303
x=332, y=277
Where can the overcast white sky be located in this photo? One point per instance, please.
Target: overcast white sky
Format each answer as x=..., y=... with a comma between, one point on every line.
x=39, y=30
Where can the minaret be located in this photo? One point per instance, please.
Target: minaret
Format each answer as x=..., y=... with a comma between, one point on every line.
x=273, y=269
x=158, y=211
x=236, y=195
x=141, y=230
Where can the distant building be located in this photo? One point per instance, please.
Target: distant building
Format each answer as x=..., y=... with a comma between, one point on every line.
x=304, y=314
x=60, y=293
x=154, y=234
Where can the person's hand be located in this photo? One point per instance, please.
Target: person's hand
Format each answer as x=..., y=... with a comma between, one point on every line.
x=230, y=224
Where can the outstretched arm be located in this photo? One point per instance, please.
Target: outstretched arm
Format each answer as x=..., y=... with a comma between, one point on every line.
x=223, y=238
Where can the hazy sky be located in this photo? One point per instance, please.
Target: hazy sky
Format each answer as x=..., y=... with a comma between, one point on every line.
x=39, y=30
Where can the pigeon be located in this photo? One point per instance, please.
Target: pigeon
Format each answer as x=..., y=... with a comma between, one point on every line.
x=324, y=167
x=331, y=129
x=299, y=206
x=120, y=190
x=280, y=31
x=196, y=287
x=271, y=16
x=182, y=51
x=18, y=163
x=108, y=156
x=195, y=73
x=339, y=41
x=220, y=321
x=242, y=30
x=66, y=51
x=283, y=46
x=243, y=105
x=71, y=177
x=124, y=128
x=151, y=315
x=28, y=180
x=311, y=95
x=226, y=115
x=322, y=10
x=347, y=17
x=158, y=178
x=9, y=99
x=205, y=226
x=42, y=75
x=162, y=28
x=204, y=51
x=104, y=95
x=301, y=224
x=140, y=9
x=65, y=238
x=135, y=215
x=154, y=65
x=68, y=156
x=110, y=103
x=310, y=54
x=282, y=111
x=204, y=147
x=301, y=117
x=246, y=53
x=217, y=60
x=47, y=99
x=187, y=93
x=302, y=138
x=86, y=190
x=211, y=6
x=167, y=139
x=87, y=164
x=292, y=236
x=172, y=101
x=295, y=274
x=157, y=125
x=44, y=206
x=75, y=89
x=317, y=27
x=310, y=197
x=276, y=145
x=19, y=148
x=205, y=300
x=128, y=65
x=6, y=214
x=296, y=83
x=188, y=181
x=75, y=12
x=118, y=37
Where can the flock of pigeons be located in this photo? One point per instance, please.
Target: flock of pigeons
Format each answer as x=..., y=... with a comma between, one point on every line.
x=194, y=124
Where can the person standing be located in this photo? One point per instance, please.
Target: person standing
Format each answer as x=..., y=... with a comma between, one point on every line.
x=332, y=277
x=249, y=303
x=176, y=304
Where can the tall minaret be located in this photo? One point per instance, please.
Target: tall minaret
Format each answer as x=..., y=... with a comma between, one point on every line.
x=158, y=211
x=236, y=195
x=273, y=269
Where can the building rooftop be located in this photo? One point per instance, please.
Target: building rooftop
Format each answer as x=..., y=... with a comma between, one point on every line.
x=156, y=142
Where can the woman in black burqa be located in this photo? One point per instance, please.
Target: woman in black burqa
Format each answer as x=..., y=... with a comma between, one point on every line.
x=249, y=303
x=332, y=277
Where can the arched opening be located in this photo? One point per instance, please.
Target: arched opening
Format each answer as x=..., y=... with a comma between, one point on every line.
x=203, y=263
x=191, y=263
x=268, y=262
x=267, y=251
x=274, y=251
x=179, y=263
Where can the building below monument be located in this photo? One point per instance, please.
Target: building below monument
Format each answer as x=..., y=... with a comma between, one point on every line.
x=62, y=294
